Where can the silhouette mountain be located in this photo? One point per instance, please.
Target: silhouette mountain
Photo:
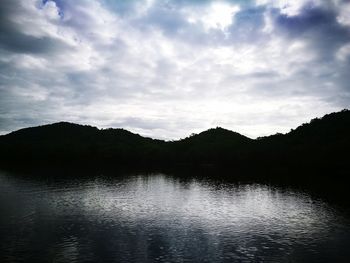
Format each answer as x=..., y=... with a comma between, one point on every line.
x=65, y=142
x=209, y=147
x=320, y=146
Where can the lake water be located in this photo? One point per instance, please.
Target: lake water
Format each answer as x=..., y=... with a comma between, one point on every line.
x=160, y=218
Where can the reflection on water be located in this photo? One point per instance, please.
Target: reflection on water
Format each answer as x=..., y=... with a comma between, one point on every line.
x=150, y=218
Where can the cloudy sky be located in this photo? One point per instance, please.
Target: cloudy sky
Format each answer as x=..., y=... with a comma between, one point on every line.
x=169, y=68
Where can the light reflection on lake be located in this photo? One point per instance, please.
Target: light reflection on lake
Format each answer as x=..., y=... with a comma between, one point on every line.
x=150, y=218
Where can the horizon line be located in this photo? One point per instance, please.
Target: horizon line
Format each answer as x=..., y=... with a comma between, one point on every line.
x=170, y=140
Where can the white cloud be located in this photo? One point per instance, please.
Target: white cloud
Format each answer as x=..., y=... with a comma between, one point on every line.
x=110, y=70
x=51, y=10
x=344, y=14
x=217, y=15
x=343, y=53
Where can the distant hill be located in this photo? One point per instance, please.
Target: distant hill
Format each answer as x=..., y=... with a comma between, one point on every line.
x=65, y=142
x=319, y=146
x=209, y=147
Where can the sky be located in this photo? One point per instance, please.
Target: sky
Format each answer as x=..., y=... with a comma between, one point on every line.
x=169, y=68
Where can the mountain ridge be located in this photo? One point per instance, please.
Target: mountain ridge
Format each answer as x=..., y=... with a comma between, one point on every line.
x=218, y=128
x=69, y=125
x=318, y=145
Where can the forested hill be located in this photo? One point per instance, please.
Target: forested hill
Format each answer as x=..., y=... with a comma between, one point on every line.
x=323, y=145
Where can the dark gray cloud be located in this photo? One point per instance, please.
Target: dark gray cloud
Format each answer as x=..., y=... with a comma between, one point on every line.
x=169, y=68
x=320, y=29
x=14, y=39
x=317, y=25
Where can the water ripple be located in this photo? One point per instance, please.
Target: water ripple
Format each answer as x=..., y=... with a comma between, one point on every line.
x=159, y=218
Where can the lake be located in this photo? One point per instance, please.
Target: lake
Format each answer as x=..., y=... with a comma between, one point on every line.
x=163, y=218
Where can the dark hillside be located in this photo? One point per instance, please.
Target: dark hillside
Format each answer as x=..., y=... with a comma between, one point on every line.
x=321, y=146
x=210, y=147
x=67, y=142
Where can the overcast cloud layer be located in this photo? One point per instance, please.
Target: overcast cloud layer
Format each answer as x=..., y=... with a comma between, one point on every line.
x=169, y=68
